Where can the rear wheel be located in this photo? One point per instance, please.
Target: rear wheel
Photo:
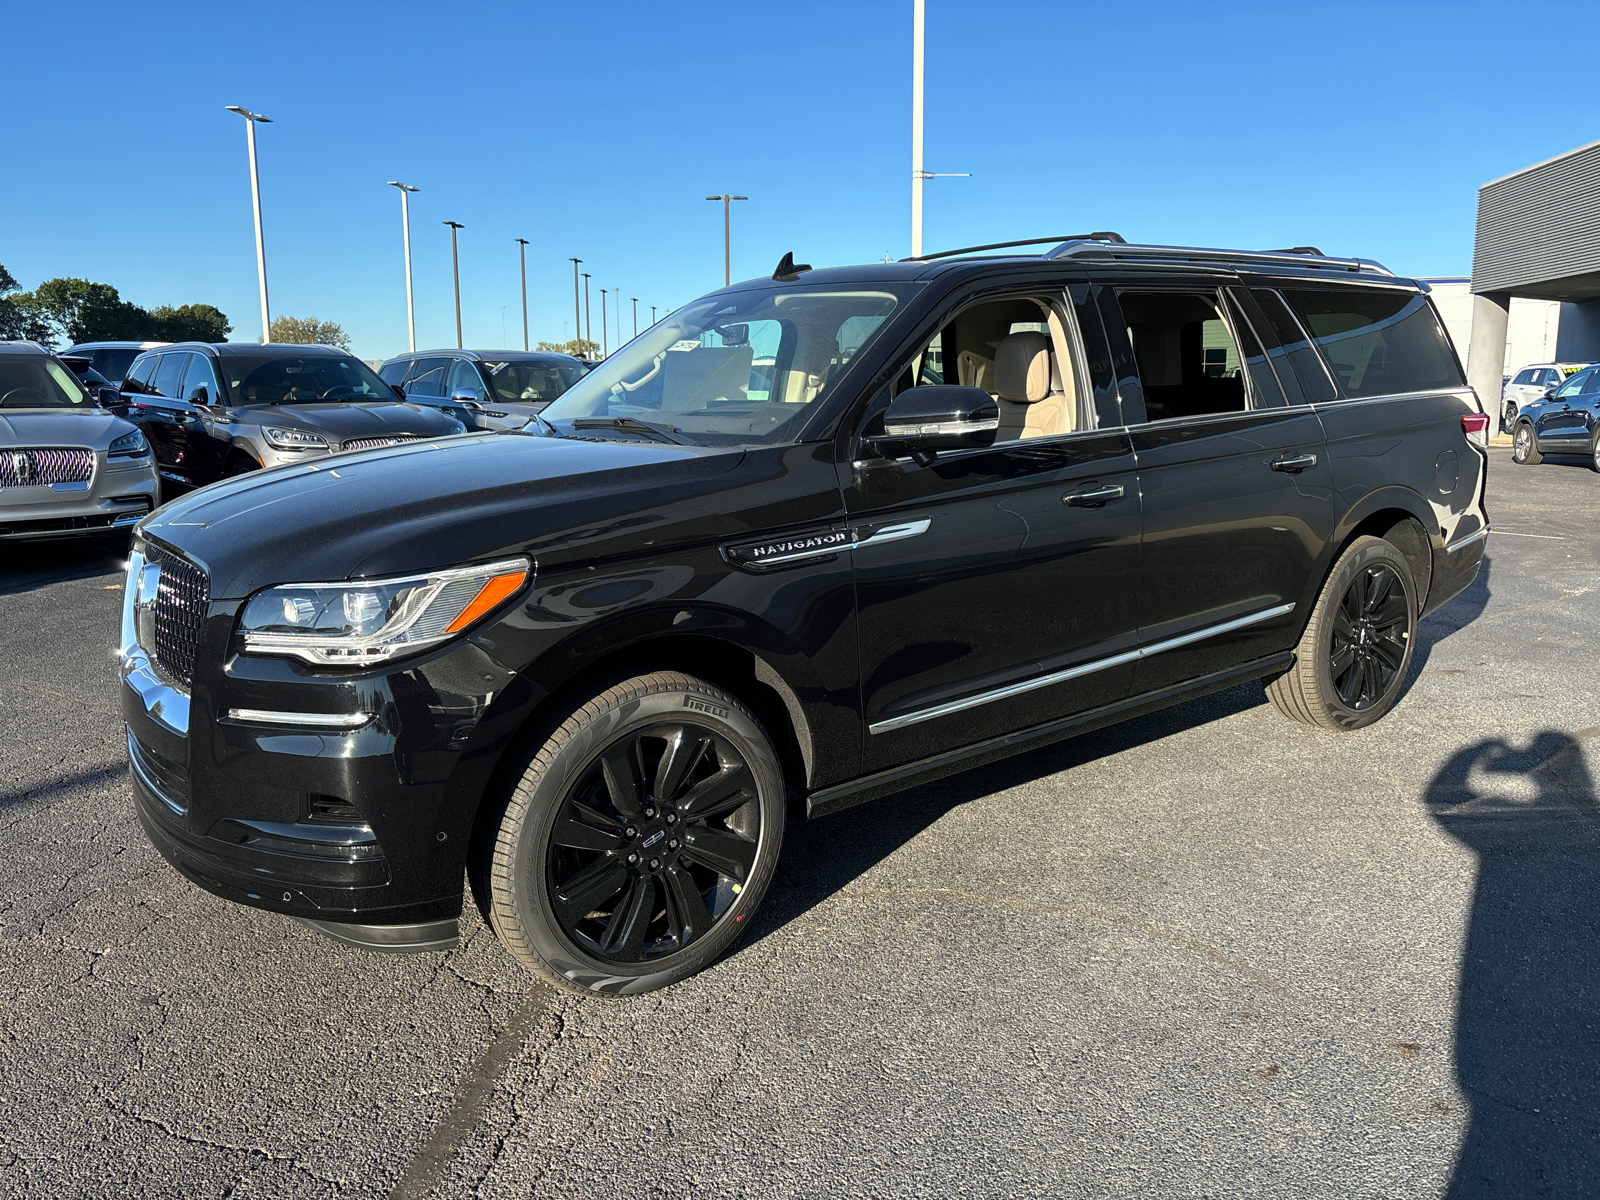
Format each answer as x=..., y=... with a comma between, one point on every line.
x=1510, y=414
x=1351, y=662
x=1523, y=449
x=640, y=838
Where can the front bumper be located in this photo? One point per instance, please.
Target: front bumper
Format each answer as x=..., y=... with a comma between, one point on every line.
x=358, y=824
x=119, y=494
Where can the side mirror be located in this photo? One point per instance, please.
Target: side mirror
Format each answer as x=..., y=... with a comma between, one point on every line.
x=923, y=420
x=399, y=391
x=465, y=397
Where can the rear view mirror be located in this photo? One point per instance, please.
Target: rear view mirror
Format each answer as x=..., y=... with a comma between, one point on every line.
x=734, y=335
x=923, y=420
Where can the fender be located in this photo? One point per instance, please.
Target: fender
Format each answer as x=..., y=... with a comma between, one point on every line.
x=1392, y=496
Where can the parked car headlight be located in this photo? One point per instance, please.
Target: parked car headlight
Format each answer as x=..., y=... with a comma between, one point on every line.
x=294, y=439
x=129, y=445
x=372, y=620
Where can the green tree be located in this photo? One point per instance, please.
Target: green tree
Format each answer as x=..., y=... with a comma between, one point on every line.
x=303, y=331
x=190, y=323
x=77, y=310
x=577, y=347
x=19, y=318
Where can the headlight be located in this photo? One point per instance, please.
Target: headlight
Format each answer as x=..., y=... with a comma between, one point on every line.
x=294, y=439
x=372, y=620
x=129, y=445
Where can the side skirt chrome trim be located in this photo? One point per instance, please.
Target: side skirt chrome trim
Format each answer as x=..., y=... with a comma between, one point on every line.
x=1100, y=664
x=268, y=716
x=1468, y=540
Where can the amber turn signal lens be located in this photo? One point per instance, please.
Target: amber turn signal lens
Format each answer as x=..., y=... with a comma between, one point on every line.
x=492, y=592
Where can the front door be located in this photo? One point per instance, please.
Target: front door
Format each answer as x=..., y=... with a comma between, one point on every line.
x=995, y=585
x=1236, y=487
x=1563, y=422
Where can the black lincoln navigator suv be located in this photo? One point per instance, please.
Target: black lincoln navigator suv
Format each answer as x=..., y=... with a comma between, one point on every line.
x=808, y=540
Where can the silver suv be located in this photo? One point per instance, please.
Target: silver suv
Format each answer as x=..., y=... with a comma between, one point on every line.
x=66, y=465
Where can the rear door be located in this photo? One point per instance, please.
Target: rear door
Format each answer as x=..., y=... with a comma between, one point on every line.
x=1235, y=485
x=163, y=416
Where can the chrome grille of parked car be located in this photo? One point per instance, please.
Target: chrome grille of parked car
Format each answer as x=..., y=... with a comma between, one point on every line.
x=374, y=443
x=181, y=601
x=36, y=468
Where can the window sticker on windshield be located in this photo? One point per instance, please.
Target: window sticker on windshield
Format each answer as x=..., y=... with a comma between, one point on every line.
x=495, y=368
x=686, y=344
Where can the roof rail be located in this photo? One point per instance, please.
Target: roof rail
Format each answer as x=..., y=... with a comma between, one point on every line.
x=1103, y=236
x=1303, y=256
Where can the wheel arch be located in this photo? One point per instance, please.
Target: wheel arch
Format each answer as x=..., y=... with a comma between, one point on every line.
x=1401, y=517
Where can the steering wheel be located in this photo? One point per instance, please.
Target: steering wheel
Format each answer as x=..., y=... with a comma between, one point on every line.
x=24, y=392
x=342, y=392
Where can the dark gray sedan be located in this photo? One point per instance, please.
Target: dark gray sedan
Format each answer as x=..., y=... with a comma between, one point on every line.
x=213, y=411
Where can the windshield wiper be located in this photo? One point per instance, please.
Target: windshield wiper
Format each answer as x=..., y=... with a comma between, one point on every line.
x=661, y=433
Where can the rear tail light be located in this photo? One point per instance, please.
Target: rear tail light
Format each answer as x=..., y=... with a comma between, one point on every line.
x=1476, y=427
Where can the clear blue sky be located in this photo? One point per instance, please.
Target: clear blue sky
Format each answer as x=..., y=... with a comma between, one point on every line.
x=595, y=130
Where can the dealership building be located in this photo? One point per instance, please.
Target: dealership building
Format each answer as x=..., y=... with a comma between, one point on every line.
x=1538, y=239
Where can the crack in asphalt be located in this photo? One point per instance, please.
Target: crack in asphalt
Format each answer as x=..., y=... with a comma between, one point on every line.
x=440, y=1148
x=190, y=1139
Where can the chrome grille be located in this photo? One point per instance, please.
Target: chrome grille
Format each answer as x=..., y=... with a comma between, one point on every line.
x=180, y=611
x=374, y=443
x=38, y=468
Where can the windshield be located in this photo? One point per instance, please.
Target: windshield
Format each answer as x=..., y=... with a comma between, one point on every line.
x=37, y=382
x=301, y=379
x=731, y=369
x=531, y=380
x=1583, y=381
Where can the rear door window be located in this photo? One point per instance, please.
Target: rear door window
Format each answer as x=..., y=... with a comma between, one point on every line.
x=1378, y=342
x=428, y=377
x=1294, y=347
x=394, y=372
x=1525, y=376
x=168, y=374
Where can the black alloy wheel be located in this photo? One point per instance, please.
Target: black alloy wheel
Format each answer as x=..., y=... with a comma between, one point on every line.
x=1370, y=630
x=653, y=844
x=636, y=839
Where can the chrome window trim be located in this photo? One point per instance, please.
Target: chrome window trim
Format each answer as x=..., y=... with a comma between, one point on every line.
x=1101, y=664
x=269, y=716
x=1468, y=540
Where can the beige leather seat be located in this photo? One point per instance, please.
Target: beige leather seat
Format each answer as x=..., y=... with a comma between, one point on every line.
x=1032, y=403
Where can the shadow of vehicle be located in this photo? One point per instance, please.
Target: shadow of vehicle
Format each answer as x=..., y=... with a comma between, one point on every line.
x=25, y=566
x=1527, y=1046
x=822, y=857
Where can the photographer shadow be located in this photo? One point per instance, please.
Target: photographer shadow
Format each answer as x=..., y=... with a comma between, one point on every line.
x=1527, y=1047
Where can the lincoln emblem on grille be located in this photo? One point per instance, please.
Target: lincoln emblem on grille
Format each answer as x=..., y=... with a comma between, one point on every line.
x=22, y=467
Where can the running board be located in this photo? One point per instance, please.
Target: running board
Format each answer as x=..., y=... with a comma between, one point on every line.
x=882, y=783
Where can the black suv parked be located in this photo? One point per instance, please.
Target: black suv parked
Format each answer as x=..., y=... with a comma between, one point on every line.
x=484, y=389
x=807, y=541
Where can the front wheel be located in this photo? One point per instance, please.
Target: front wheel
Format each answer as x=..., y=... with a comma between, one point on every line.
x=640, y=838
x=1523, y=449
x=1350, y=664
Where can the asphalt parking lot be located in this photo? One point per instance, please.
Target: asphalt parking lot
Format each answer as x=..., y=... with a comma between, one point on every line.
x=1208, y=953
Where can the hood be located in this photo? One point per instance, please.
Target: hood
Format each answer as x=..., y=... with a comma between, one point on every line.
x=342, y=419
x=60, y=427
x=423, y=505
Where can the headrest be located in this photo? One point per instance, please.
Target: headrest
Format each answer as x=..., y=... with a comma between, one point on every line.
x=1022, y=367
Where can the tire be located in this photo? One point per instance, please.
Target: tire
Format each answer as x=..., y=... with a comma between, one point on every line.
x=1510, y=415
x=670, y=852
x=1524, y=449
x=1594, y=452
x=240, y=464
x=1351, y=662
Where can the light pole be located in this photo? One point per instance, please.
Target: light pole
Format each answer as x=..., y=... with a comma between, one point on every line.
x=605, y=340
x=522, y=253
x=727, y=255
x=635, y=316
x=652, y=314
x=588, y=329
x=405, y=233
x=250, y=121
x=577, y=326
x=455, y=266
x=917, y=173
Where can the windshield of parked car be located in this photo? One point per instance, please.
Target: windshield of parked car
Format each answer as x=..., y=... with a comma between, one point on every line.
x=733, y=368
x=531, y=379
x=301, y=379
x=33, y=381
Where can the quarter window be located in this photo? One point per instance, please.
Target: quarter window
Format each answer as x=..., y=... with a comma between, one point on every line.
x=394, y=372
x=1294, y=347
x=1378, y=342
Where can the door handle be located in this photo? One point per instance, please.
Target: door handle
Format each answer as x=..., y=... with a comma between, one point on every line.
x=1093, y=497
x=1294, y=463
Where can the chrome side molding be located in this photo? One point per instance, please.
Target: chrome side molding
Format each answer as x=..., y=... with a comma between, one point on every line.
x=826, y=543
x=1468, y=540
x=1099, y=664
